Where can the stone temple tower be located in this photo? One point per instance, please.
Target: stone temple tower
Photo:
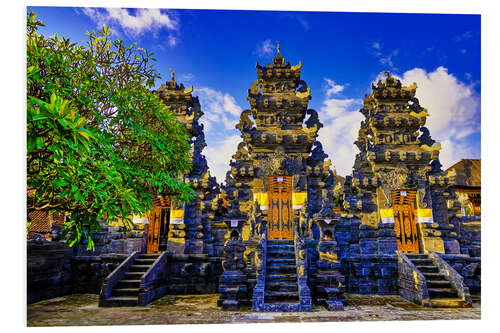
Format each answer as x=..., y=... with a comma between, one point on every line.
x=189, y=226
x=397, y=187
x=278, y=150
x=278, y=174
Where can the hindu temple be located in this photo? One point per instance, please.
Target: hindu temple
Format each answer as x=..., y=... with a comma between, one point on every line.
x=284, y=232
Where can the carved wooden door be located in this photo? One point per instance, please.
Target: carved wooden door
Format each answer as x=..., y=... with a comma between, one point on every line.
x=404, y=220
x=158, y=225
x=280, y=213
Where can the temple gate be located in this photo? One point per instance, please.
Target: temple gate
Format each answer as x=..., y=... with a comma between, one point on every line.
x=405, y=226
x=280, y=216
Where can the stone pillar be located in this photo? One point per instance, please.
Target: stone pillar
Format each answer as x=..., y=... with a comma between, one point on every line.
x=194, y=228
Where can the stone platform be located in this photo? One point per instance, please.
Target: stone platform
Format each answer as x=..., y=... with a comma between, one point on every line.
x=82, y=310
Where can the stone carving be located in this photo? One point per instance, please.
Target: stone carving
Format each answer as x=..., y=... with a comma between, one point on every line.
x=279, y=163
x=393, y=180
x=245, y=124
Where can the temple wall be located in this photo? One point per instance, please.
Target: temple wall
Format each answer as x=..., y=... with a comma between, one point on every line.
x=48, y=270
x=113, y=240
x=371, y=274
x=469, y=235
x=193, y=274
x=55, y=270
x=89, y=271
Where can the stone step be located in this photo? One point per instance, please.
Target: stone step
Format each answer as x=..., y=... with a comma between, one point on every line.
x=277, y=306
x=230, y=305
x=442, y=293
x=139, y=268
x=428, y=269
x=128, y=284
x=144, y=261
x=281, y=286
x=417, y=256
x=120, y=301
x=448, y=303
x=133, y=275
x=280, y=242
x=281, y=296
x=433, y=276
x=438, y=284
x=271, y=269
x=281, y=277
x=286, y=261
x=278, y=254
x=286, y=247
x=422, y=262
x=148, y=256
x=125, y=292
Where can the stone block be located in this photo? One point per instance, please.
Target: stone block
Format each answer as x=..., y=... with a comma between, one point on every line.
x=368, y=246
x=387, y=245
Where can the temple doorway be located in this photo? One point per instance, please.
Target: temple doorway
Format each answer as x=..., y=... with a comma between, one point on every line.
x=404, y=206
x=159, y=222
x=280, y=213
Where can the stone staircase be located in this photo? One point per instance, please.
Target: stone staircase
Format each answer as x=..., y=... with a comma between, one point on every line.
x=442, y=293
x=125, y=291
x=281, y=287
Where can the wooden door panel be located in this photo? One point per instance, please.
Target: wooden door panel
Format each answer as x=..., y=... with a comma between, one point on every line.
x=154, y=230
x=405, y=225
x=280, y=214
x=158, y=214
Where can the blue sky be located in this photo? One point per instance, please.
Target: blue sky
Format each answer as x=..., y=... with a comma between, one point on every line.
x=341, y=53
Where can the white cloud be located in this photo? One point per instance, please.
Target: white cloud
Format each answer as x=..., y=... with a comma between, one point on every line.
x=135, y=23
x=219, y=154
x=300, y=18
x=222, y=113
x=265, y=49
x=187, y=77
x=172, y=41
x=388, y=59
x=376, y=45
x=384, y=58
x=219, y=107
x=341, y=121
x=332, y=88
x=466, y=35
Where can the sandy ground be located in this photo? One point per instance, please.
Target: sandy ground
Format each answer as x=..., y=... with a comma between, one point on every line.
x=82, y=309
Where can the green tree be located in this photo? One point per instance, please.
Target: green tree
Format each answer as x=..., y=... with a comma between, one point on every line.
x=100, y=143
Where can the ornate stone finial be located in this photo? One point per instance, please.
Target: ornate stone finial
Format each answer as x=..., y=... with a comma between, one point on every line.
x=173, y=76
x=278, y=60
x=387, y=73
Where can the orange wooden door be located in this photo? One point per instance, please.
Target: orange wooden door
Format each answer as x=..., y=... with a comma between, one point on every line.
x=154, y=230
x=280, y=213
x=404, y=220
x=157, y=218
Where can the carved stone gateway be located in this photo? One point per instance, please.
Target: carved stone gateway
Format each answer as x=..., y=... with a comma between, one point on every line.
x=397, y=155
x=190, y=229
x=278, y=165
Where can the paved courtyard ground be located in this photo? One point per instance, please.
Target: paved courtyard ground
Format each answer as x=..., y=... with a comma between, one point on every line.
x=77, y=310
